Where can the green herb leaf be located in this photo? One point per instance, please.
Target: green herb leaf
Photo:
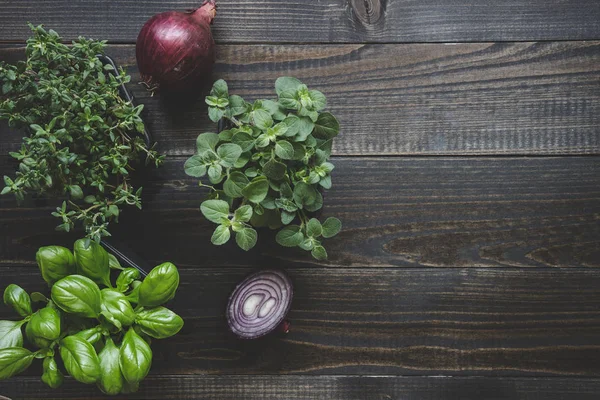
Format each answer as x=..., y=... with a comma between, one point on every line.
x=18, y=299
x=257, y=190
x=262, y=119
x=111, y=379
x=195, y=167
x=304, y=194
x=313, y=228
x=287, y=83
x=244, y=140
x=80, y=359
x=159, y=286
x=229, y=153
x=319, y=253
x=215, y=173
x=235, y=184
x=243, y=214
x=159, y=322
x=327, y=126
x=220, y=89
x=274, y=169
x=55, y=263
x=135, y=357
x=52, y=375
x=206, y=141
x=290, y=236
x=10, y=334
x=43, y=327
x=284, y=150
x=246, y=238
x=92, y=261
x=221, y=235
x=115, y=303
x=14, y=360
x=215, y=211
x=78, y=295
x=237, y=106
x=331, y=227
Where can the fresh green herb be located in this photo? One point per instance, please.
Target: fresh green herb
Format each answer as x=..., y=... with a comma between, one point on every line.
x=268, y=170
x=83, y=138
x=98, y=334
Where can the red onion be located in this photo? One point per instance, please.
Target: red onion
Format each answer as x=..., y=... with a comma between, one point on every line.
x=259, y=304
x=175, y=51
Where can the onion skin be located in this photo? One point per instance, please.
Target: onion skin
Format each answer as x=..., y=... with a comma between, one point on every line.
x=175, y=51
x=269, y=292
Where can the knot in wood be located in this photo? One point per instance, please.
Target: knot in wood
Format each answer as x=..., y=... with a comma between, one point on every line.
x=368, y=12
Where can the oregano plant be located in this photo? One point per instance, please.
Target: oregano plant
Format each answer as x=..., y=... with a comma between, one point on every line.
x=82, y=137
x=269, y=168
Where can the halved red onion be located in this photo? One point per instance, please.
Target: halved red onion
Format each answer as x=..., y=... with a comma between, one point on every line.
x=259, y=304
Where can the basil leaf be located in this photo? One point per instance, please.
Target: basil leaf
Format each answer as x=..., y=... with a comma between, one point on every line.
x=229, y=154
x=314, y=228
x=246, y=238
x=111, y=379
x=221, y=235
x=159, y=286
x=55, y=262
x=80, y=359
x=195, y=167
x=18, y=299
x=331, y=227
x=159, y=322
x=115, y=303
x=43, y=327
x=92, y=261
x=235, y=184
x=78, y=295
x=135, y=357
x=206, y=141
x=10, y=334
x=126, y=278
x=326, y=126
x=113, y=263
x=216, y=211
x=14, y=360
x=257, y=189
x=91, y=335
x=290, y=236
x=52, y=375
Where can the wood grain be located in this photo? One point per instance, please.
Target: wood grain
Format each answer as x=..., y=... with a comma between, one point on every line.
x=332, y=21
x=407, y=212
x=465, y=99
x=453, y=321
x=202, y=387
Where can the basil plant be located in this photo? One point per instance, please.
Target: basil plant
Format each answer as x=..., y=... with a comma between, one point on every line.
x=270, y=168
x=101, y=332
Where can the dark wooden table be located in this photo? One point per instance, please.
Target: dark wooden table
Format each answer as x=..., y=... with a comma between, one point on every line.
x=467, y=180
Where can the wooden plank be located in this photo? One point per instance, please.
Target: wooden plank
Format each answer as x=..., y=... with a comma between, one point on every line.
x=334, y=21
x=467, y=212
x=485, y=98
x=201, y=387
x=451, y=321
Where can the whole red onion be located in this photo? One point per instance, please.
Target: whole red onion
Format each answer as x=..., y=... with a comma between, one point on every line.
x=259, y=304
x=175, y=51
